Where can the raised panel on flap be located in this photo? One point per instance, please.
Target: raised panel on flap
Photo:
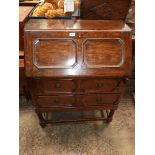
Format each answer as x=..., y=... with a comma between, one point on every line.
x=54, y=53
x=103, y=52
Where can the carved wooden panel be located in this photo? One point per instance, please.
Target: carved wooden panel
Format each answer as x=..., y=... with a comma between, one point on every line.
x=104, y=9
x=54, y=53
x=103, y=52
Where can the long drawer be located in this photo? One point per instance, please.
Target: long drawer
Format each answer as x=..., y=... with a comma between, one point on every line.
x=77, y=86
x=77, y=100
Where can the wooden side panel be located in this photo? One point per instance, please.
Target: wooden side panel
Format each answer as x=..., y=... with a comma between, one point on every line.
x=23, y=17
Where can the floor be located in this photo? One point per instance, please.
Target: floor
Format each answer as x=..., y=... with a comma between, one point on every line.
x=93, y=138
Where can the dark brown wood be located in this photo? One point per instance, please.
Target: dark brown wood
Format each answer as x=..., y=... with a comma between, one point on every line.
x=28, y=3
x=106, y=119
x=110, y=47
x=132, y=26
x=23, y=17
x=56, y=101
x=74, y=121
x=102, y=85
x=22, y=81
x=21, y=64
x=53, y=86
x=43, y=122
x=95, y=47
x=100, y=99
x=21, y=54
x=105, y=9
x=133, y=96
x=110, y=116
x=77, y=65
x=57, y=48
x=50, y=86
x=75, y=25
x=23, y=90
x=77, y=108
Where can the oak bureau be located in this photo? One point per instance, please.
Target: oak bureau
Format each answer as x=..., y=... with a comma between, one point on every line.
x=77, y=65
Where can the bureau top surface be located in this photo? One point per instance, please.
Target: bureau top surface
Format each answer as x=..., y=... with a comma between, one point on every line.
x=49, y=24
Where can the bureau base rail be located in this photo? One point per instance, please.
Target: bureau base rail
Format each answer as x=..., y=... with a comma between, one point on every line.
x=106, y=117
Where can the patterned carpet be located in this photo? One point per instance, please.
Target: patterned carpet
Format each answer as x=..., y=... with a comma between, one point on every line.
x=93, y=138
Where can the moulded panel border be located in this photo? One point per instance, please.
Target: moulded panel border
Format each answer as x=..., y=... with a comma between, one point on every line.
x=120, y=41
x=36, y=41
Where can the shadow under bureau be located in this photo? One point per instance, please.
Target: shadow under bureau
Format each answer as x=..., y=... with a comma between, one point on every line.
x=77, y=65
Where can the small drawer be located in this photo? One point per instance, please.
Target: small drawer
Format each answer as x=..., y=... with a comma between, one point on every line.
x=48, y=86
x=100, y=99
x=56, y=101
x=103, y=85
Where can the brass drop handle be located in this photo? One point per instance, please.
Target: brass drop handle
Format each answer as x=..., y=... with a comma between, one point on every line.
x=58, y=85
x=55, y=101
x=98, y=99
x=99, y=85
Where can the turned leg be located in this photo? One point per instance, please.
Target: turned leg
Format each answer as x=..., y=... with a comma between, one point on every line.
x=27, y=95
x=110, y=116
x=102, y=115
x=41, y=119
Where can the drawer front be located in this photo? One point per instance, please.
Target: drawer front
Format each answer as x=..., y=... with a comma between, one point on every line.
x=100, y=99
x=48, y=86
x=55, y=101
x=104, y=85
